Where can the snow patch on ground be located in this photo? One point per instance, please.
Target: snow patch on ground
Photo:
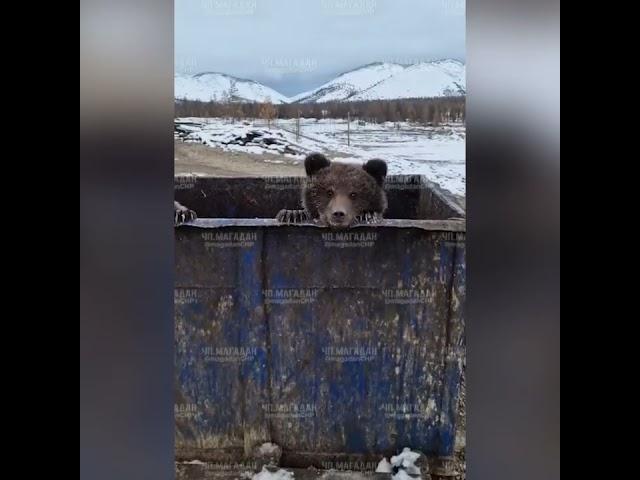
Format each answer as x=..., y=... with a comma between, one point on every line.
x=247, y=137
x=402, y=475
x=384, y=466
x=406, y=460
x=278, y=475
x=268, y=448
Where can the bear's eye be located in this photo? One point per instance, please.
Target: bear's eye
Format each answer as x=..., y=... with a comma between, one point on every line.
x=329, y=193
x=353, y=194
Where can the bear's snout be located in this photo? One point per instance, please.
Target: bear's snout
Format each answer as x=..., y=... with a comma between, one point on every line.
x=340, y=211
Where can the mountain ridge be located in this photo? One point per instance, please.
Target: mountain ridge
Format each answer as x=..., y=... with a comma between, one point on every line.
x=373, y=81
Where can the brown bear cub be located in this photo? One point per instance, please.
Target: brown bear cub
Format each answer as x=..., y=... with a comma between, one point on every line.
x=340, y=195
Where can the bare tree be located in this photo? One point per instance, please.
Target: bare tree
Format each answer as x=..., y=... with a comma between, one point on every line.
x=432, y=111
x=268, y=111
x=233, y=90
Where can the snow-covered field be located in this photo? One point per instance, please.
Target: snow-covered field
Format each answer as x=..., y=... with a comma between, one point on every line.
x=437, y=152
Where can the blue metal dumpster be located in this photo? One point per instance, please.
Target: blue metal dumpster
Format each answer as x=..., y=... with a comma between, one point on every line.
x=332, y=344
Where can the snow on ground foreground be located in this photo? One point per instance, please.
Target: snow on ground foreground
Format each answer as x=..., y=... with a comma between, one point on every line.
x=278, y=475
x=269, y=448
x=437, y=152
x=384, y=466
x=406, y=460
x=403, y=462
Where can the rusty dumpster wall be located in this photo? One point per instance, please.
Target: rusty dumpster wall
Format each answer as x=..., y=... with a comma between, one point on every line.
x=320, y=342
x=410, y=197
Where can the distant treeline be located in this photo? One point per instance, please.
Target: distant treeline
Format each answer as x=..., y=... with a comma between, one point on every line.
x=424, y=110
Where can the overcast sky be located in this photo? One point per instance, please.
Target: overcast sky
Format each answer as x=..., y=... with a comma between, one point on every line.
x=293, y=46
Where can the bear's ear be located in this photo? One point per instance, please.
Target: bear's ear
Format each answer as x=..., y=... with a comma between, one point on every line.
x=314, y=162
x=377, y=169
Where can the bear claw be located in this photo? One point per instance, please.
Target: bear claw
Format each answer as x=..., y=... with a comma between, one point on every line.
x=369, y=218
x=182, y=214
x=292, y=216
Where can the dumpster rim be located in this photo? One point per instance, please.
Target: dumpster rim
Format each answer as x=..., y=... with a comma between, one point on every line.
x=445, y=196
x=450, y=225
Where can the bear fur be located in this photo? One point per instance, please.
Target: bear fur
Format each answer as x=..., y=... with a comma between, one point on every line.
x=340, y=195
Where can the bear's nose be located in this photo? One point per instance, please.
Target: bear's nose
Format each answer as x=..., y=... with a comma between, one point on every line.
x=338, y=214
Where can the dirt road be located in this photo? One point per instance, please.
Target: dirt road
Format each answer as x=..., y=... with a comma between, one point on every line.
x=197, y=158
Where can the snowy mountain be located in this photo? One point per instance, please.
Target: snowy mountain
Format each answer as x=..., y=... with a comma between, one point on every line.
x=376, y=81
x=379, y=81
x=218, y=86
x=350, y=83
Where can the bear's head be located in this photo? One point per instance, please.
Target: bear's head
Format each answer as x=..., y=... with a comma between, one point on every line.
x=336, y=193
